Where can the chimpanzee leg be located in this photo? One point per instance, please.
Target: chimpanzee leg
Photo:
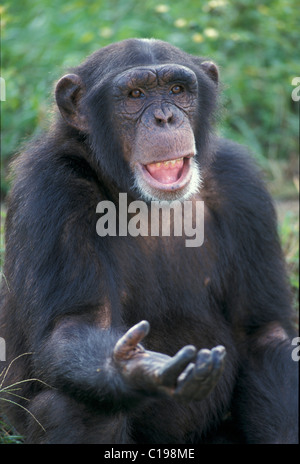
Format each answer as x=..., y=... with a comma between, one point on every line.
x=62, y=420
x=266, y=403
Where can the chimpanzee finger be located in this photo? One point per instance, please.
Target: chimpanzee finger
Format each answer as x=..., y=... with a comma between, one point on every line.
x=130, y=339
x=218, y=354
x=204, y=363
x=208, y=379
x=193, y=378
x=198, y=380
x=169, y=373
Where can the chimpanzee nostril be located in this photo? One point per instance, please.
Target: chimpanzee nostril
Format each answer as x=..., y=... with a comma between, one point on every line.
x=163, y=116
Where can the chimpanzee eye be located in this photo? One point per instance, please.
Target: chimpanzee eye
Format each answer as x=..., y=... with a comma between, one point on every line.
x=136, y=93
x=177, y=89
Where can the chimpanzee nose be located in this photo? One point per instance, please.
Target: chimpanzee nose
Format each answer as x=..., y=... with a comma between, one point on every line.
x=163, y=115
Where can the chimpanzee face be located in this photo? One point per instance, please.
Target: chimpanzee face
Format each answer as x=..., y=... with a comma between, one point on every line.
x=146, y=117
x=154, y=111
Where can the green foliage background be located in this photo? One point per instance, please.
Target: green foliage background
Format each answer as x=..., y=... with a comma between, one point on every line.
x=255, y=43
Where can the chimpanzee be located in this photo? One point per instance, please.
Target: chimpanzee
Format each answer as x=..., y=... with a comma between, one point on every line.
x=133, y=336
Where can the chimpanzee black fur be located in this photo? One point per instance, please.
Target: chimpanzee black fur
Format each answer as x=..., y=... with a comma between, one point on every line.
x=75, y=304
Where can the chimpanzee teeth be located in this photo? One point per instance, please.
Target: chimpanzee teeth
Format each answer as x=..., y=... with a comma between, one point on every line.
x=168, y=163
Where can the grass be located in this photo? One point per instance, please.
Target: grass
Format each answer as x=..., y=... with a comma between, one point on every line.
x=8, y=435
x=9, y=394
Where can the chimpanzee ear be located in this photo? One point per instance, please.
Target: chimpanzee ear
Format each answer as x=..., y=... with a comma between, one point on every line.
x=211, y=70
x=68, y=93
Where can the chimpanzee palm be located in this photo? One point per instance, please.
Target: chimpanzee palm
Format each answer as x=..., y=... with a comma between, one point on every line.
x=140, y=339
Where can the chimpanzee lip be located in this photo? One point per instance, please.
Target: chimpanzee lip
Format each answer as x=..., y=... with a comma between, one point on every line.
x=179, y=184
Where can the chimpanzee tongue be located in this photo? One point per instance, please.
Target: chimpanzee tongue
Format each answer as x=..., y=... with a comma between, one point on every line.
x=166, y=173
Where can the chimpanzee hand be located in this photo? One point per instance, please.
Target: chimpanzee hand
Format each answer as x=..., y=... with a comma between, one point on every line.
x=188, y=375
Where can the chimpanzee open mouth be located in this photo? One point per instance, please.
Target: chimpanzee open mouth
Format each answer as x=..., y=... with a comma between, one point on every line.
x=172, y=174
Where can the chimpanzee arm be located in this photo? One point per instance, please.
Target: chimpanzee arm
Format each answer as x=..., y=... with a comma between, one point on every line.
x=77, y=359
x=97, y=364
x=266, y=400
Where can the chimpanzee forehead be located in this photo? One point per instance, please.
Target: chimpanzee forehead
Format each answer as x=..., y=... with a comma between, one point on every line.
x=155, y=75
